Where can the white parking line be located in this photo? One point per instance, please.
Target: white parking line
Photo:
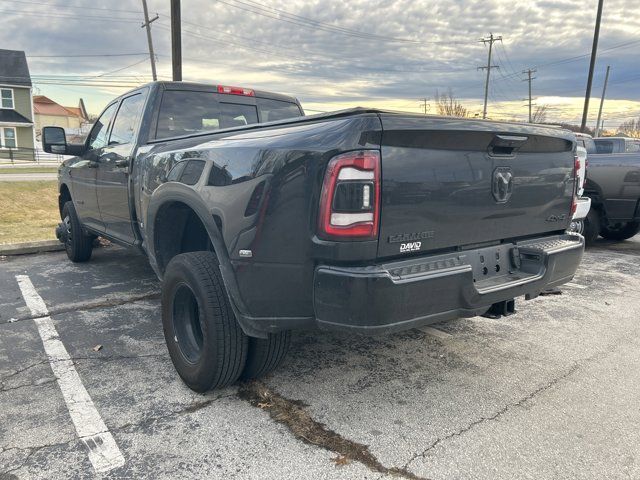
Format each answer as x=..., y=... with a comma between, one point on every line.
x=575, y=285
x=104, y=453
x=434, y=332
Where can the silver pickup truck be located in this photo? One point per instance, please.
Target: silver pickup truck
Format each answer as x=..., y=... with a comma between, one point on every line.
x=613, y=184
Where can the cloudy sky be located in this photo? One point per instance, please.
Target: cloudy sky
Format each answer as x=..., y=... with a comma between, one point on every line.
x=335, y=54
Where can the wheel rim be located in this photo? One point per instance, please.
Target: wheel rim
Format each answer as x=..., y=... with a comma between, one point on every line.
x=67, y=225
x=186, y=323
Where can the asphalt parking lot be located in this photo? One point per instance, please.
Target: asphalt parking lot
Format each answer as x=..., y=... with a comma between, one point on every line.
x=551, y=392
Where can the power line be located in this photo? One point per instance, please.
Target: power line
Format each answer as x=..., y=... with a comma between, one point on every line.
x=102, y=18
x=88, y=55
x=299, y=20
x=562, y=61
x=123, y=68
x=81, y=7
x=237, y=44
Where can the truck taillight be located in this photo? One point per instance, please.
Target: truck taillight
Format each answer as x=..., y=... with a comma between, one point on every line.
x=350, y=198
x=574, y=199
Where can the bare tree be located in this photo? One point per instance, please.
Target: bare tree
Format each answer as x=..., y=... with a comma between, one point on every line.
x=630, y=128
x=540, y=114
x=449, y=106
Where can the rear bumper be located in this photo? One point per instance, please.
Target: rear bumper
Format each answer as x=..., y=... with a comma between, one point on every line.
x=409, y=293
x=583, y=206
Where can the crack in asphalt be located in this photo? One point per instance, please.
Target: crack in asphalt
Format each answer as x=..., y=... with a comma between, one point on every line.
x=89, y=305
x=32, y=451
x=22, y=370
x=496, y=415
x=74, y=359
x=191, y=408
x=519, y=403
x=294, y=416
x=25, y=385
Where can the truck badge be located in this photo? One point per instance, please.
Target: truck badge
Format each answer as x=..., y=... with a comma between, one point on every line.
x=502, y=184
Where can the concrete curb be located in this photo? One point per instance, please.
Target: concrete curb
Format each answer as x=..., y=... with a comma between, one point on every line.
x=31, y=247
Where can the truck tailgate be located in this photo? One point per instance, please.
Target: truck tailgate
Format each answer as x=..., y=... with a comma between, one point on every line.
x=454, y=182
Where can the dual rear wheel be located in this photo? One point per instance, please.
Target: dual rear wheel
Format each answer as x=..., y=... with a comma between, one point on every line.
x=206, y=344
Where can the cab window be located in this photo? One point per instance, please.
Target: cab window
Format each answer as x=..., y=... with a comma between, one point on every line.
x=98, y=135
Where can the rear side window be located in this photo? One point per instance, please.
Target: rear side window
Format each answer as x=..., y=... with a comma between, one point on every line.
x=604, y=146
x=98, y=135
x=272, y=110
x=126, y=123
x=185, y=112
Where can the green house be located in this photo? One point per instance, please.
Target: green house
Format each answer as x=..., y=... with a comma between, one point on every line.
x=17, y=139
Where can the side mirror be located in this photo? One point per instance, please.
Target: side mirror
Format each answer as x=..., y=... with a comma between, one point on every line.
x=54, y=140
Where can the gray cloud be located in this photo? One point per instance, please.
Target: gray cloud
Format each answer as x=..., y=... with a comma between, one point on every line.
x=224, y=41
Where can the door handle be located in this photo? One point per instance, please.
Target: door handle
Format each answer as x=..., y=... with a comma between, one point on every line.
x=92, y=164
x=122, y=162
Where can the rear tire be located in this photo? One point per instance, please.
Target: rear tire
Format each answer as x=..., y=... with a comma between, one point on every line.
x=77, y=244
x=591, y=227
x=623, y=232
x=265, y=355
x=207, y=346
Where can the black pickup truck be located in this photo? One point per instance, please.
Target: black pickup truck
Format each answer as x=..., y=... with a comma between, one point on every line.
x=260, y=220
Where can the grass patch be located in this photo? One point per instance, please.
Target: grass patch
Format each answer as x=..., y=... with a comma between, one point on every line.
x=28, y=211
x=18, y=170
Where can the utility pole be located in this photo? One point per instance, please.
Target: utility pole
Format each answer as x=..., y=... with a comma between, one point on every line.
x=176, y=41
x=490, y=41
x=147, y=25
x=424, y=104
x=529, y=72
x=594, y=50
x=604, y=90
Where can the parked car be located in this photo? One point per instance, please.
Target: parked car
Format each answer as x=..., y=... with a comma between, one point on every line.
x=360, y=220
x=617, y=145
x=613, y=184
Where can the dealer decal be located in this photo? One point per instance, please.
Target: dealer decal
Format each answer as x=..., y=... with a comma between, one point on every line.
x=410, y=247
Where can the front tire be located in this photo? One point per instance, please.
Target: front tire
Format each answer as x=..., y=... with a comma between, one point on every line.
x=78, y=244
x=207, y=346
x=621, y=231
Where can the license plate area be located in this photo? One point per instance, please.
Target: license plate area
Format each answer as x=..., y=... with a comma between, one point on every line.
x=496, y=261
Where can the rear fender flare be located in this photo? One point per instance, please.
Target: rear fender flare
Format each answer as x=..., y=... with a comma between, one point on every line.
x=177, y=192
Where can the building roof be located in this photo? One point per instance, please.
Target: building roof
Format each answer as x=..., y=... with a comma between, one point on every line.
x=11, y=116
x=14, y=69
x=75, y=110
x=45, y=106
